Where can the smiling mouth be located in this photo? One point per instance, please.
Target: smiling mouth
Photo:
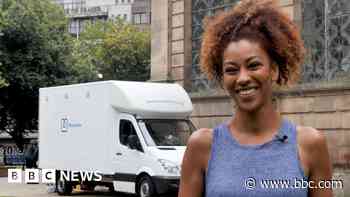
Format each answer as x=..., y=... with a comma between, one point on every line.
x=246, y=91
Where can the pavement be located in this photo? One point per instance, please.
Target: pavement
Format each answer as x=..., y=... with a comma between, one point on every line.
x=41, y=190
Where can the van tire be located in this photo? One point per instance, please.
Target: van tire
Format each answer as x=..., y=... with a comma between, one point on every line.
x=88, y=186
x=63, y=187
x=111, y=189
x=146, y=187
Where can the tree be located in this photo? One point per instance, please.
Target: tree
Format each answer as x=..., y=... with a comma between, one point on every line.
x=35, y=51
x=2, y=80
x=116, y=49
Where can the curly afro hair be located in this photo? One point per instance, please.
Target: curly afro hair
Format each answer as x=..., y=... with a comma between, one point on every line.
x=258, y=21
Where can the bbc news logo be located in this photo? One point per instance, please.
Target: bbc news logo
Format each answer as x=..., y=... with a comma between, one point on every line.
x=49, y=176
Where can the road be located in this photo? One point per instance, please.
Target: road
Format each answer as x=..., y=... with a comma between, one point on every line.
x=41, y=190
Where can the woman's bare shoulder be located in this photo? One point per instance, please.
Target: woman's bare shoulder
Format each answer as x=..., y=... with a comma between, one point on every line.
x=312, y=149
x=310, y=138
x=201, y=139
x=194, y=163
x=198, y=149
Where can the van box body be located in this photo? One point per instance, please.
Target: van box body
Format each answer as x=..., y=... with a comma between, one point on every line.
x=79, y=129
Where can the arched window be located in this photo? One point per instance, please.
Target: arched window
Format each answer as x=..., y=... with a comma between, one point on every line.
x=200, y=9
x=325, y=29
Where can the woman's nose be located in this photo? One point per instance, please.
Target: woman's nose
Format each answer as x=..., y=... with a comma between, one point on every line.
x=243, y=77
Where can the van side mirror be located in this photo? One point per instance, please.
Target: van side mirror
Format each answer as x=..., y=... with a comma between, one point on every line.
x=134, y=142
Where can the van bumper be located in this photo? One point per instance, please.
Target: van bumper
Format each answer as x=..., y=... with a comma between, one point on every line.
x=166, y=184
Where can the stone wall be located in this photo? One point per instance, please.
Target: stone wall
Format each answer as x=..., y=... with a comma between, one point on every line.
x=328, y=111
x=180, y=34
x=159, y=41
x=171, y=41
x=177, y=35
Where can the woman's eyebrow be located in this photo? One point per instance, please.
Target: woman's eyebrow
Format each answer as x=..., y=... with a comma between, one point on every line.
x=251, y=58
x=231, y=62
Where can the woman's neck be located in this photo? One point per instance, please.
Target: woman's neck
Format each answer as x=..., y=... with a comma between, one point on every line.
x=264, y=120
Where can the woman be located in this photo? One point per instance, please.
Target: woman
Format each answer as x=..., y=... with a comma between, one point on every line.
x=248, y=50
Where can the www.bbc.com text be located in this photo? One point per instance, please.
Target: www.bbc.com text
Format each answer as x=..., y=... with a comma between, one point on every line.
x=252, y=183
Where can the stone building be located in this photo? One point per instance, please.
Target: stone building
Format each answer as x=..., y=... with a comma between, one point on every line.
x=79, y=12
x=320, y=100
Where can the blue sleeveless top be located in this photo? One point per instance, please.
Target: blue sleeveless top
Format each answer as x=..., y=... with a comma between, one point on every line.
x=271, y=169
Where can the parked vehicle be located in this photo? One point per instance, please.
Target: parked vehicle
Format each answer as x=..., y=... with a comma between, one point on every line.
x=133, y=133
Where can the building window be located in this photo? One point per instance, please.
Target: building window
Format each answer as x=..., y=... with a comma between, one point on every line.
x=201, y=9
x=137, y=19
x=122, y=1
x=326, y=32
x=116, y=1
x=82, y=24
x=125, y=17
x=72, y=6
x=141, y=18
x=144, y=18
x=74, y=27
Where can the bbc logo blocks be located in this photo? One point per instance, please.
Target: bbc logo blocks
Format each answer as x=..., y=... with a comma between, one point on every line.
x=14, y=176
x=48, y=176
x=31, y=176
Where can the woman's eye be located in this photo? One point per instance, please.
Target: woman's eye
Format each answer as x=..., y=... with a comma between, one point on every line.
x=231, y=70
x=254, y=66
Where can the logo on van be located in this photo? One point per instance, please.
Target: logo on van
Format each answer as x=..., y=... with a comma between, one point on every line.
x=66, y=124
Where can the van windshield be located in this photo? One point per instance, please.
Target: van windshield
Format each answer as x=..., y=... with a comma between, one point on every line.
x=166, y=132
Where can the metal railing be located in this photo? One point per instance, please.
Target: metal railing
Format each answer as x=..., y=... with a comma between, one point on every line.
x=87, y=11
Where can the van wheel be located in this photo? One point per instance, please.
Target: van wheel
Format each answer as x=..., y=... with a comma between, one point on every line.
x=63, y=187
x=146, y=187
x=87, y=186
x=111, y=188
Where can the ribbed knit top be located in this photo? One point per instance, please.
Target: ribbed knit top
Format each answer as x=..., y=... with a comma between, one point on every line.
x=264, y=170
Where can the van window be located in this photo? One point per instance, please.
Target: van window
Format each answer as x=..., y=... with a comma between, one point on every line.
x=126, y=129
x=166, y=132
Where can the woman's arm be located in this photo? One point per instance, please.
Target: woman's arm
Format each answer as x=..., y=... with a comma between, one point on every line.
x=194, y=164
x=320, y=168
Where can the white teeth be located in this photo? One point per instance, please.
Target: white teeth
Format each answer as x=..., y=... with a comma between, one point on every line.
x=246, y=91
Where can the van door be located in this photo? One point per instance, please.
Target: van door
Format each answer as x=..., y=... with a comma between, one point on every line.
x=128, y=158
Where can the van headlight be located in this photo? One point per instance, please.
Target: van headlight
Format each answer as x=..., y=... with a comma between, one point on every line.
x=169, y=166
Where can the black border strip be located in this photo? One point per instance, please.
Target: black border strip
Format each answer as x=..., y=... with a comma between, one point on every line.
x=125, y=177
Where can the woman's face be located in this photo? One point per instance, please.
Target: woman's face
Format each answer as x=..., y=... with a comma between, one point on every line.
x=248, y=74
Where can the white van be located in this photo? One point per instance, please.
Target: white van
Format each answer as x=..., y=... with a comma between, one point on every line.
x=133, y=133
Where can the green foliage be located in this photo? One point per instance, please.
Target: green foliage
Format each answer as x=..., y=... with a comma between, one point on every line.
x=2, y=23
x=35, y=51
x=115, y=49
x=83, y=63
x=2, y=80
